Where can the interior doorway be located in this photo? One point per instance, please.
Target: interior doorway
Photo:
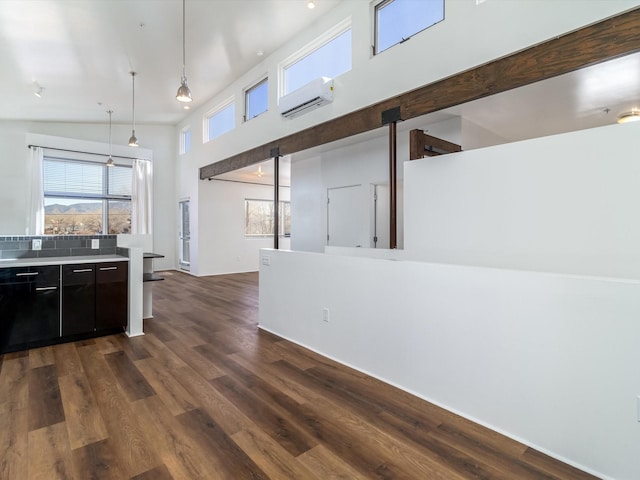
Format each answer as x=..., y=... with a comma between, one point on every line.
x=184, y=236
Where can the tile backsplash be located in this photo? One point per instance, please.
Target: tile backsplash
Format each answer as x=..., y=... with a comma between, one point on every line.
x=56, y=246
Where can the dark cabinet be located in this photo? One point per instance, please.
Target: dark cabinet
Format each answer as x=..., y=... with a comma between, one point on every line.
x=78, y=299
x=94, y=297
x=29, y=306
x=112, y=281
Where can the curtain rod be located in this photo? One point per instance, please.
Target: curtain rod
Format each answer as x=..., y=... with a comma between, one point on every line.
x=87, y=153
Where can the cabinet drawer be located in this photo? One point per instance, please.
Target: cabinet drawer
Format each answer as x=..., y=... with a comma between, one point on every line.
x=112, y=271
x=78, y=274
x=47, y=274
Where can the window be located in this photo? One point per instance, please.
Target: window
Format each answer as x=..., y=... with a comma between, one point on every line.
x=329, y=56
x=86, y=198
x=220, y=120
x=259, y=218
x=256, y=100
x=185, y=140
x=398, y=20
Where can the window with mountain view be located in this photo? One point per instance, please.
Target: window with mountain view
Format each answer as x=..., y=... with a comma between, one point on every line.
x=86, y=198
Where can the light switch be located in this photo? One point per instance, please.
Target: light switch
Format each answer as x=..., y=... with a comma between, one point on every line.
x=95, y=243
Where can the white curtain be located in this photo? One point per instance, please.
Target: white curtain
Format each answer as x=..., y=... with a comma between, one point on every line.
x=35, y=200
x=141, y=198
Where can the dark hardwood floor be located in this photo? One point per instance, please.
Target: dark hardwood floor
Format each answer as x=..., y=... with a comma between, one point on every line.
x=205, y=394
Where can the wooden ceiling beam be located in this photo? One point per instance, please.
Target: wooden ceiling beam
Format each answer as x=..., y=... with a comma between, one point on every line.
x=596, y=43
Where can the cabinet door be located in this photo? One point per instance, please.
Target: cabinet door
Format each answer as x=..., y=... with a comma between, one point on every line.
x=29, y=306
x=112, y=287
x=78, y=299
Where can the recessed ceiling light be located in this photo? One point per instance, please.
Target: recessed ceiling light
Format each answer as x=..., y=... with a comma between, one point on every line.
x=311, y=5
x=632, y=116
x=186, y=107
x=259, y=53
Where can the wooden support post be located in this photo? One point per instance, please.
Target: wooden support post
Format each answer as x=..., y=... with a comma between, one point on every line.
x=393, y=191
x=391, y=117
x=275, y=153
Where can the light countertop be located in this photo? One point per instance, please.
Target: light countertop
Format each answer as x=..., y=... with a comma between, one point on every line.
x=31, y=262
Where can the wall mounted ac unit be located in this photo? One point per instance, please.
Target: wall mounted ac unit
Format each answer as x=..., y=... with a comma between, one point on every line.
x=308, y=97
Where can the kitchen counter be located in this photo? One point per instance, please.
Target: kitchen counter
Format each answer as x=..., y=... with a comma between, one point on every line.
x=38, y=261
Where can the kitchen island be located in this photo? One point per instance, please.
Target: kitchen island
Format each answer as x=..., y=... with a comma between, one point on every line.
x=50, y=300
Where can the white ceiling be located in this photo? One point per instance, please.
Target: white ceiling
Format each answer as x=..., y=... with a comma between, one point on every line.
x=81, y=52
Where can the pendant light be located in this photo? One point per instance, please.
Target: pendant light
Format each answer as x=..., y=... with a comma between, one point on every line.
x=184, y=94
x=110, y=160
x=133, y=141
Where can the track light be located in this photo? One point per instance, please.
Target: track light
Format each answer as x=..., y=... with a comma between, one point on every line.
x=133, y=141
x=184, y=94
x=110, y=160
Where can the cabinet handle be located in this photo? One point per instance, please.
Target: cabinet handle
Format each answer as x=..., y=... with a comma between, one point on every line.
x=26, y=274
x=40, y=289
x=108, y=268
x=83, y=270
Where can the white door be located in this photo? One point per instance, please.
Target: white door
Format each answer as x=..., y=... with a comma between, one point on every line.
x=346, y=216
x=185, y=235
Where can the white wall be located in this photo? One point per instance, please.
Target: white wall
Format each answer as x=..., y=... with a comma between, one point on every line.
x=498, y=24
x=14, y=180
x=307, y=230
x=548, y=359
x=224, y=247
x=565, y=203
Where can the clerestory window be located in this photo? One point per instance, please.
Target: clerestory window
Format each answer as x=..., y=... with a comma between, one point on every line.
x=398, y=20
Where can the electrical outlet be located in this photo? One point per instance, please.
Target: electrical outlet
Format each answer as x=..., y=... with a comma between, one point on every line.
x=266, y=261
x=325, y=314
x=95, y=243
x=36, y=244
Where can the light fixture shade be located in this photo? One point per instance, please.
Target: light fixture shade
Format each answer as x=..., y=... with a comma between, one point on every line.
x=632, y=116
x=184, y=94
x=133, y=141
x=110, y=160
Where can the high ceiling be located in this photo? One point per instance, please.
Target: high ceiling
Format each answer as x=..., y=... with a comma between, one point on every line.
x=81, y=52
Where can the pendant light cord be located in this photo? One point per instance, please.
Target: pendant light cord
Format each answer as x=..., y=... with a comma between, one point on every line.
x=184, y=54
x=110, y=112
x=133, y=99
